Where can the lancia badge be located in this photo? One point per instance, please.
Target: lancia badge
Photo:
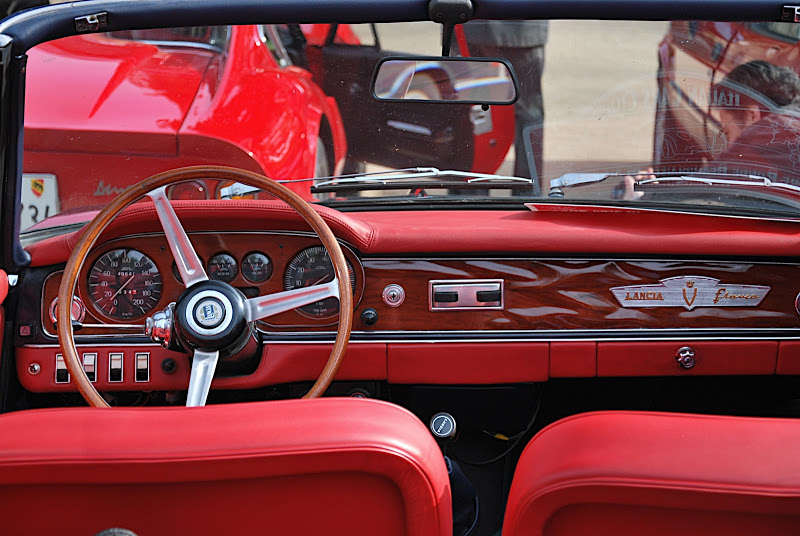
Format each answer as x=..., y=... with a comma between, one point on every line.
x=209, y=313
x=690, y=292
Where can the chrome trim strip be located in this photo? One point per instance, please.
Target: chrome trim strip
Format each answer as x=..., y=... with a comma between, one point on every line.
x=495, y=340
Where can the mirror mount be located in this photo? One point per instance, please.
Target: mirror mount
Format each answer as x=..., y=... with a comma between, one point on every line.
x=449, y=13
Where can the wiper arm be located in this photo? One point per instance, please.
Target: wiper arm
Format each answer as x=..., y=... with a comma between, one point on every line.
x=571, y=180
x=401, y=179
x=421, y=178
x=737, y=180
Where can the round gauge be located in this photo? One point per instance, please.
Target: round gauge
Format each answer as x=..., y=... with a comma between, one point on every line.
x=256, y=267
x=222, y=267
x=313, y=266
x=124, y=284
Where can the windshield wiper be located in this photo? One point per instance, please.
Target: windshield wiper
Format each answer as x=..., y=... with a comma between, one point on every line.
x=401, y=179
x=572, y=180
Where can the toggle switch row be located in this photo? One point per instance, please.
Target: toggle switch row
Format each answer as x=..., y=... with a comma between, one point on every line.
x=116, y=363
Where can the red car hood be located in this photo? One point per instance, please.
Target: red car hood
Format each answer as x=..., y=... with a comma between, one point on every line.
x=114, y=95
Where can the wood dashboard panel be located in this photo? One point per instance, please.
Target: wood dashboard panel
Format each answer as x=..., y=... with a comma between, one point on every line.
x=539, y=294
x=576, y=295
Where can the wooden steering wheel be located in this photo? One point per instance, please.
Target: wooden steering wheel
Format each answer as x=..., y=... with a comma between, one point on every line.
x=210, y=316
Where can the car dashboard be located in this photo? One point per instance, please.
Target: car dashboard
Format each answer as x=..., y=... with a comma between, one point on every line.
x=522, y=308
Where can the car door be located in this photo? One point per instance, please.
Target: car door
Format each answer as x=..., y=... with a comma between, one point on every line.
x=391, y=134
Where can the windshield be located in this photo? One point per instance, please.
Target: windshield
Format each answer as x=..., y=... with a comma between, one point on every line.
x=698, y=116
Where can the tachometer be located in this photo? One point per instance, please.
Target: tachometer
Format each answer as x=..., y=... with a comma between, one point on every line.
x=313, y=266
x=124, y=284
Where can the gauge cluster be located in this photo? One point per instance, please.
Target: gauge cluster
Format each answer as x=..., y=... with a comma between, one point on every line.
x=128, y=279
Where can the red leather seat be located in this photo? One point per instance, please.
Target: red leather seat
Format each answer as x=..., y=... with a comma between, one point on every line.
x=327, y=466
x=618, y=473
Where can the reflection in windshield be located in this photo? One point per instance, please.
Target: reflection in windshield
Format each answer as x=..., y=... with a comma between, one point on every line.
x=294, y=102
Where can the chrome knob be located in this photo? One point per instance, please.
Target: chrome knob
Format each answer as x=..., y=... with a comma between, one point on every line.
x=686, y=357
x=159, y=326
x=443, y=425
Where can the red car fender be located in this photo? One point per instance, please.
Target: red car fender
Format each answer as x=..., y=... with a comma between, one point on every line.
x=279, y=136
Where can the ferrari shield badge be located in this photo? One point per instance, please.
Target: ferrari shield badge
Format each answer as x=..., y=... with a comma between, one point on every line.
x=690, y=292
x=37, y=187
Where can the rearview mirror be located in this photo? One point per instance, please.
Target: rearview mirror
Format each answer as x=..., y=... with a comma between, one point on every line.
x=460, y=80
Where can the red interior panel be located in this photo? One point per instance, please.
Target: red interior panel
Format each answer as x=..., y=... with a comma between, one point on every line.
x=573, y=359
x=659, y=358
x=789, y=357
x=479, y=363
x=280, y=363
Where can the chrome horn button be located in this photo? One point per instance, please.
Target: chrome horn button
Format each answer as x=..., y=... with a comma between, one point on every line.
x=212, y=316
x=209, y=312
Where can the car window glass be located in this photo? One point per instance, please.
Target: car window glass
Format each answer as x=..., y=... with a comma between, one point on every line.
x=212, y=36
x=787, y=30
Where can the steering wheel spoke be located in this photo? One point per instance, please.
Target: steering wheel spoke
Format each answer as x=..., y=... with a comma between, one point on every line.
x=186, y=259
x=280, y=302
x=203, y=366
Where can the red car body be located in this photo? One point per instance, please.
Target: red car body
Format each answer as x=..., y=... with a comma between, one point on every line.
x=237, y=108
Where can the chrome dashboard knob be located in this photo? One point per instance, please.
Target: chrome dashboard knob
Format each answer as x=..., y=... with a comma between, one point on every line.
x=159, y=326
x=686, y=357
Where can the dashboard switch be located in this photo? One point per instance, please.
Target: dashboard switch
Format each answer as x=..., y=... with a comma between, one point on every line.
x=62, y=374
x=90, y=366
x=169, y=365
x=369, y=317
x=142, y=367
x=115, y=360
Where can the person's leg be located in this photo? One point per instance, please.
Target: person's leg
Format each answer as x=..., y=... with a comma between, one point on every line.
x=528, y=64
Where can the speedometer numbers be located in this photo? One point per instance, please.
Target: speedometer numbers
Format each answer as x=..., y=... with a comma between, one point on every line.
x=124, y=284
x=313, y=266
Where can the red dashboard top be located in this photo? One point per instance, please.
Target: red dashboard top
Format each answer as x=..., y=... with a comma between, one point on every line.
x=587, y=231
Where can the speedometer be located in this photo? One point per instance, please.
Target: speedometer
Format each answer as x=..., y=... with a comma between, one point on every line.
x=313, y=266
x=124, y=284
